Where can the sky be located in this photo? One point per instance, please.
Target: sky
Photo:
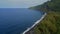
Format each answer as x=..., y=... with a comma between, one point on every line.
x=20, y=3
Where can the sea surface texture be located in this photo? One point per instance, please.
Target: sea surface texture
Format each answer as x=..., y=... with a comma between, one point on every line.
x=17, y=20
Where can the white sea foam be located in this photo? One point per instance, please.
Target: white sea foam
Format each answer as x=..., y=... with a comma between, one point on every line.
x=35, y=24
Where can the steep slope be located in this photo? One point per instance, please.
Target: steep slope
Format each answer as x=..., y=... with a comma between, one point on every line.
x=51, y=23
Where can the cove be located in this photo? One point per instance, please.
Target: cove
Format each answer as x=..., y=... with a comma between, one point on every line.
x=17, y=20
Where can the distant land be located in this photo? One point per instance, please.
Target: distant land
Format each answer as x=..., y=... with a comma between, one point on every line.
x=51, y=23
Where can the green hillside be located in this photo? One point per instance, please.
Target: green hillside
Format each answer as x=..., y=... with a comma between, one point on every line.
x=53, y=5
x=51, y=23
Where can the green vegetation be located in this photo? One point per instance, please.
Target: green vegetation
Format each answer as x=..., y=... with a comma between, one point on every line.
x=53, y=5
x=51, y=23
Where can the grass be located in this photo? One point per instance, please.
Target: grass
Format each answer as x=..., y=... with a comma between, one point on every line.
x=49, y=25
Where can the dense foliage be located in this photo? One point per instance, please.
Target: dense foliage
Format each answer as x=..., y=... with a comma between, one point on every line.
x=51, y=23
x=50, y=5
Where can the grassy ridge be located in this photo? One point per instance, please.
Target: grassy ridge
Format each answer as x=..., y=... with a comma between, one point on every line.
x=51, y=23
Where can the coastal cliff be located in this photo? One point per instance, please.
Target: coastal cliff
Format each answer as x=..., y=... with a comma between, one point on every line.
x=51, y=23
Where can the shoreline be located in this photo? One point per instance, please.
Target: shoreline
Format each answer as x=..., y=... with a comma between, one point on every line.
x=35, y=24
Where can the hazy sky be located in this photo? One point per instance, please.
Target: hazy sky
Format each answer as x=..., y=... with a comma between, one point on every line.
x=20, y=3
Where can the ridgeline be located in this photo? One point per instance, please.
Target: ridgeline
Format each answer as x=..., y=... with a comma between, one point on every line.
x=51, y=23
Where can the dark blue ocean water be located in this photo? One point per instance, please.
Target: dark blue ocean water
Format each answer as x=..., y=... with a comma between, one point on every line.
x=17, y=20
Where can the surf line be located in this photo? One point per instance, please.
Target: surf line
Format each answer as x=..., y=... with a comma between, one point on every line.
x=38, y=21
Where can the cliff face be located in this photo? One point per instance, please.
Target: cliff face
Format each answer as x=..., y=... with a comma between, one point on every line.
x=51, y=23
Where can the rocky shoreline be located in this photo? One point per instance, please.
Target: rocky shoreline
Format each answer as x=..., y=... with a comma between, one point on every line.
x=31, y=29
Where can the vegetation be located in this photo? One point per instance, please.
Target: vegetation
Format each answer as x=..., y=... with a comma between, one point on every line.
x=51, y=23
x=51, y=5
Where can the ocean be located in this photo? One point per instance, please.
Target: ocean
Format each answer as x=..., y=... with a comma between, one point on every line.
x=17, y=20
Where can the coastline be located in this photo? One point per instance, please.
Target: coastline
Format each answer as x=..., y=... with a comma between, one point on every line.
x=35, y=24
